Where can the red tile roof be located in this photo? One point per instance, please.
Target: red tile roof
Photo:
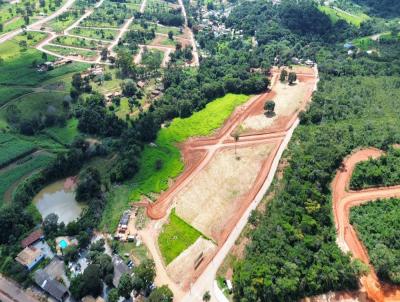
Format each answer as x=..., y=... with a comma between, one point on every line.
x=32, y=238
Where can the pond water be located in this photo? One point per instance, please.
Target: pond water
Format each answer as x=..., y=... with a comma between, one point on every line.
x=56, y=198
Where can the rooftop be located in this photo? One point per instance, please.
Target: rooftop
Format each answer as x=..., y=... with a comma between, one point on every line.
x=32, y=238
x=49, y=285
x=28, y=255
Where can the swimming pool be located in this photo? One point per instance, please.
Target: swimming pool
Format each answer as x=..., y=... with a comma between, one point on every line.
x=63, y=244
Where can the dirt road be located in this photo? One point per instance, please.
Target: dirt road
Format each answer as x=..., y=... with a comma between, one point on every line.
x=197, y=154
x=38, y=24
x=347, y=239
x=11, y=292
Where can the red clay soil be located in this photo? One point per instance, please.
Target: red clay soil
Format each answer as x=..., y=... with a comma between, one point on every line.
x=197, y=152
x=343, y=201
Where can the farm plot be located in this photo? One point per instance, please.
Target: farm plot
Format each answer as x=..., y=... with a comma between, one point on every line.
x=100, y=34
x=12, y=148
x=18, y=59
x=8, y=93
x=25, y=167
x=220, y=187
x=79, y=42
x=336, y=14
x=73, y=52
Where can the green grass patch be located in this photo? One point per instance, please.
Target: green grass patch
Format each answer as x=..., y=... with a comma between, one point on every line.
x=22, y=169
x=12, y=148
x=176, y=237
x=36, y=104
x=101, y=34
x=150, y=179
x=9, y=93
x=88, y=54
x=201, y=123
x=19, y=65
x=337, y=14
x=64, y=135
x=79, y=42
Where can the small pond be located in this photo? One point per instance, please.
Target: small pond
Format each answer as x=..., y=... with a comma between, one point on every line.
x=59, y=199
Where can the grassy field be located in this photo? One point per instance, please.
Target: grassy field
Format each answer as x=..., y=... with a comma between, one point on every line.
x=10, y=14
x=64, y=135
x=20, y=65
x=335, y=15
x=88, y=54
x=37, y=103
x=24, y=168
x=78, y=42
x=9, y=93
x=149, y=179
x=101, y=34
x=176, y=237
x=12, y=148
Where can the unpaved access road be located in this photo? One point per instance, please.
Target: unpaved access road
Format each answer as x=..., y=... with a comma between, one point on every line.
x=197, y=155
x=347, y=239
x=11, y=292
x=38, y=23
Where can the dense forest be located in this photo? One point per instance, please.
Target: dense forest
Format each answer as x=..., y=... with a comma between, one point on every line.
x=382, y=8
x=384, y=171
x=293, y=252
x=377, y=223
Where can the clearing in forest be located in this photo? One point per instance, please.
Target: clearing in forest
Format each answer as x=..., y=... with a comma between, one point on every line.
x=211, y=199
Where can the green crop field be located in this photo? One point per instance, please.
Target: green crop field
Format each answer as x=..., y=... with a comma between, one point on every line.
x=149, y=179
x=9, y=93
x=9, y=177
x=64, y=135
x=335, y=15
x=12, y=148
x=176, y=237
x=19, y=65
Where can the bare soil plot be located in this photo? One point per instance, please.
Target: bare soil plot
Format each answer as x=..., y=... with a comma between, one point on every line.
x=163, y=41
x=185, y=265
x=210, y=201
x=288, y=99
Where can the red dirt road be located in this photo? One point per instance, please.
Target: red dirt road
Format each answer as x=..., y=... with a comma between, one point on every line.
x=198, y=152
x=343, y=201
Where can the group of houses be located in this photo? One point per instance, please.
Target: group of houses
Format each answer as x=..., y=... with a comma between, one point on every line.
x=35, y=250
x=47, y=66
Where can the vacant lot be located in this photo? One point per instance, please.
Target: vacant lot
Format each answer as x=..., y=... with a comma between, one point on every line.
x=176, y=237
x=288, y=99
x=183, y=267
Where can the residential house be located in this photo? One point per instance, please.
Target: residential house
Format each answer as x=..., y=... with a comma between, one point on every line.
x=29, y=257
x=32, y=238
x=54, y=288
x=120, y=268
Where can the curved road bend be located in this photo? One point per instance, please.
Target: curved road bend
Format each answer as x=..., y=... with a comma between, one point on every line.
x=40, y=22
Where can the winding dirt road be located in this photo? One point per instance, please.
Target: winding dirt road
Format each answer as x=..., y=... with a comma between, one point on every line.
x=197, y=154
x=347, y=239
